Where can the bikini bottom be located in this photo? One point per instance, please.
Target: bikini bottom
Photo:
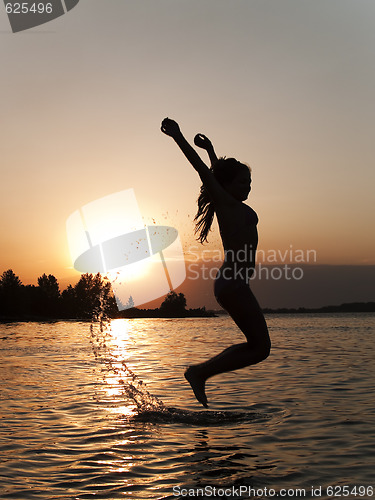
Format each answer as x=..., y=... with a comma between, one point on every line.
x=236, y=297
x=228, y=285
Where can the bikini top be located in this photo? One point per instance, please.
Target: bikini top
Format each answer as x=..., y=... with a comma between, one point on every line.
x=251, y=221
x=251, y=216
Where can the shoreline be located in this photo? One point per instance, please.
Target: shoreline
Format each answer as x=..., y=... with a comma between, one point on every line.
x=354, y=307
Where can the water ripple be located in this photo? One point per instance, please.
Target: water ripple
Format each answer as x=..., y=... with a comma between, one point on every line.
x=106, y=413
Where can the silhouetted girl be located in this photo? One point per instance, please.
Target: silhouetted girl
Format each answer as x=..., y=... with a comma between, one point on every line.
x=225, y=186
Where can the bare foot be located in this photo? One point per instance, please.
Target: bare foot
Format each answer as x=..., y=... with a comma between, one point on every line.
x=197, y=384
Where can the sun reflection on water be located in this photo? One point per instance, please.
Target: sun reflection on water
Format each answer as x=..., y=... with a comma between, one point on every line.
x=123, y=392
x=120, y=329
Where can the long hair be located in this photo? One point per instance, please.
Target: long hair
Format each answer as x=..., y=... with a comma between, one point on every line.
x=224, y=170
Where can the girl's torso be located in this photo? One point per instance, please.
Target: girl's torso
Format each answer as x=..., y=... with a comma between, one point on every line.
x=238, y=229
x=239, y=234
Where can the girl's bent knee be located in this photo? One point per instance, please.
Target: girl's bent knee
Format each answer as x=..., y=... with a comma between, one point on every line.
x=265, y=352
x=262, y=352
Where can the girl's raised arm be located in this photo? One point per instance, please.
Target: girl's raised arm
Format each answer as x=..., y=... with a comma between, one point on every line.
x=216, y=191
x=171, y=128
x=204, y=142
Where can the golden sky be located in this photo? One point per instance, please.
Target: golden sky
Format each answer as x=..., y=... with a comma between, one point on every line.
x=286, y=86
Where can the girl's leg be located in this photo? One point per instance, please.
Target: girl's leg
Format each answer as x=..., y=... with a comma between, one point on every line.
x=246, y=313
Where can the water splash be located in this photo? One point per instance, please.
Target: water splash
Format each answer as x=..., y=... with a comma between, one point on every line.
x=137, y=392
x=201, y=417
x=149, y=408
x=132, y=387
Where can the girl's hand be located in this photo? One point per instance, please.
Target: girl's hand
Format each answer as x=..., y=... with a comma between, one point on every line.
x=202, y=141
x=170, y=127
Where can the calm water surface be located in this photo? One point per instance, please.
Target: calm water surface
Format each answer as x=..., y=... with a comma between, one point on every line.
x=77, y=422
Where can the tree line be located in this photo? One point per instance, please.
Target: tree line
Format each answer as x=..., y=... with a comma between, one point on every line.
x=90, y=296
